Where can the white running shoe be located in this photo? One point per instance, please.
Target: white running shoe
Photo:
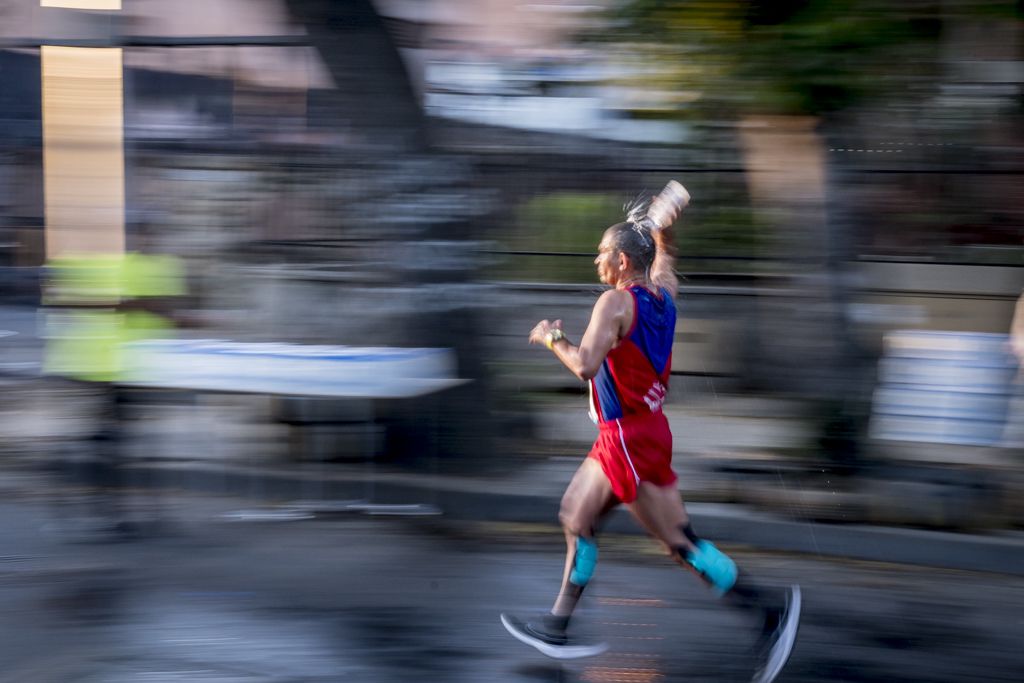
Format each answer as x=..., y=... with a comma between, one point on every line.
x=548, y=642
x=782, y=639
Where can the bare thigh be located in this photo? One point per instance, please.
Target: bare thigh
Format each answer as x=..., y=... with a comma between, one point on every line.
x=661, y=511
x=587, y=499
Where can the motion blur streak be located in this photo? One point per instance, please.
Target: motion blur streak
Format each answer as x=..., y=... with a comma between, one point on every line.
x=268, y=409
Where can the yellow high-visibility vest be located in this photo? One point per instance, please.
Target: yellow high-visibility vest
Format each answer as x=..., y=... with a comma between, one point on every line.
x=85, y=330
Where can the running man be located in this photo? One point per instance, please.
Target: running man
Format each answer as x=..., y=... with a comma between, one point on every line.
x=625, y=356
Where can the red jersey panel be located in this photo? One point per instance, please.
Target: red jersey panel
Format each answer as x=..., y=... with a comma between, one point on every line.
x=633, y=378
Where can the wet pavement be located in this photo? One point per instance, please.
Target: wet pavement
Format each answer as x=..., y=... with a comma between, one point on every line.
x=380, y=599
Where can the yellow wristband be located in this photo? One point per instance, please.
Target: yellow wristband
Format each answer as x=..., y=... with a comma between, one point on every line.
x=551, y=337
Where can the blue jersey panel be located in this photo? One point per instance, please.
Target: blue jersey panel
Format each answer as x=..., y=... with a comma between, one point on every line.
x=607, y=396
x=655, y=326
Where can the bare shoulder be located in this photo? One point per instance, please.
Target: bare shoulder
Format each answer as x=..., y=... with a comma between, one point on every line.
x=614, y=299
x=615, y=308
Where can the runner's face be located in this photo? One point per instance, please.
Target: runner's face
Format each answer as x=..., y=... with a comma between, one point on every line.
x=607, y=261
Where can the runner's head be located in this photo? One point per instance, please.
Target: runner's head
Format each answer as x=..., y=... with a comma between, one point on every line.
x=625, y=253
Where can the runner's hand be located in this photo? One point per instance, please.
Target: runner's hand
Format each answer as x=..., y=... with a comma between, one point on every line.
x=538, y=335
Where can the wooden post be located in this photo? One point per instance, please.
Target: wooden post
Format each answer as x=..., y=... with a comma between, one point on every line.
x=83, y=144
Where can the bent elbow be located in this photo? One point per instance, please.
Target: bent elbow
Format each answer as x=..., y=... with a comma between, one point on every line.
x=584, y=373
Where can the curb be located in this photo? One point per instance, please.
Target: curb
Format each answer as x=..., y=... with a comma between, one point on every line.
x=475, y=500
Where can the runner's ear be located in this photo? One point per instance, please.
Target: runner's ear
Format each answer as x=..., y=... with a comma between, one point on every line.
x=625, y=263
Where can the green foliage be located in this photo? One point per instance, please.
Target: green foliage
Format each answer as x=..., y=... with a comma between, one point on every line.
x=780, y=56
x=830, y=55
x=566, y=221
x=567, y=227
x=727, y=231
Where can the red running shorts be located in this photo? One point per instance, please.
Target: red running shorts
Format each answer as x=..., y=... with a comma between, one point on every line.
x=633, y=449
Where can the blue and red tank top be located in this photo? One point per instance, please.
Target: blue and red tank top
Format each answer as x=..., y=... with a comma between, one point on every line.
x=634, y=376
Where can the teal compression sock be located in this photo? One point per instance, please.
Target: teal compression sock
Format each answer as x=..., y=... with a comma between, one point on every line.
x=584, y=562
x=716, y=567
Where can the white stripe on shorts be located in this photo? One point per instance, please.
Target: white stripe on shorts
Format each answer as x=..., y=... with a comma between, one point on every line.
x=622, y=440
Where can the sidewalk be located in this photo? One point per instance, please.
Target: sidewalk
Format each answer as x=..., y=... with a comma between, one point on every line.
x=532, y=497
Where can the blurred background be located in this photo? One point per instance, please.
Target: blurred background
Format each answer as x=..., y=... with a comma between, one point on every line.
x=288, y=252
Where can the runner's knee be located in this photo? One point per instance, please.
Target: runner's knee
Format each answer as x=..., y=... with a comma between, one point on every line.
x=572, y=522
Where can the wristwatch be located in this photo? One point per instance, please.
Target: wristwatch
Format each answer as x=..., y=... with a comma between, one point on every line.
x=551, y=337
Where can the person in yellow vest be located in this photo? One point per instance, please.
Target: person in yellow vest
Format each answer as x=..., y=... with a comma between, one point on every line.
x=96, y=304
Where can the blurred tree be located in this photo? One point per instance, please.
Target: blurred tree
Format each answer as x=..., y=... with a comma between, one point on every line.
x=779, y=56
x=788, y=56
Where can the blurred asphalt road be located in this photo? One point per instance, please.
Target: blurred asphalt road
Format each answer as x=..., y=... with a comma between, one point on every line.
x=352, y=598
